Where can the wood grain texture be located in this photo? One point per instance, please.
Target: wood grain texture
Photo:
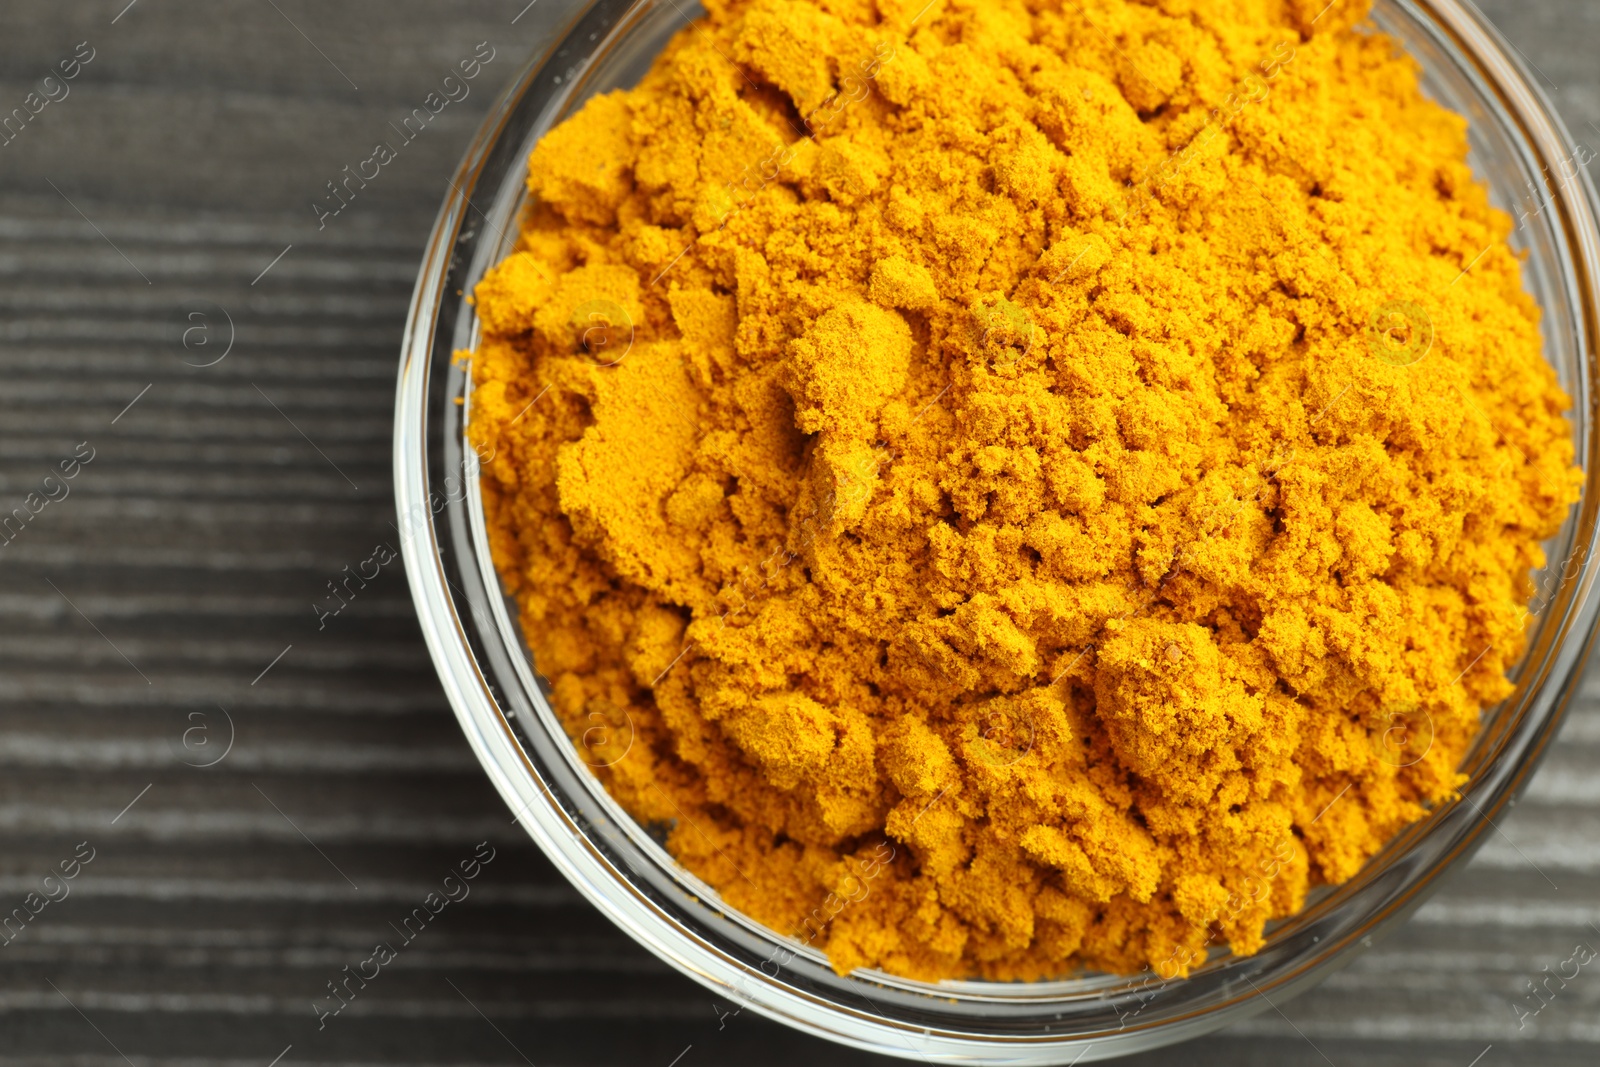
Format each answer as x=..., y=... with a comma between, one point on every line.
x=220, y=505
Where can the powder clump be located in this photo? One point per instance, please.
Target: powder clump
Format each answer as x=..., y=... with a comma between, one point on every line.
x=1033, y=488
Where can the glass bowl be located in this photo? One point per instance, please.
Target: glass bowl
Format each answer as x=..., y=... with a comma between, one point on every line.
x=1519, y=147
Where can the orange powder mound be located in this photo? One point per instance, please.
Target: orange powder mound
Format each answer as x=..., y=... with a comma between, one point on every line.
x=1030, y=487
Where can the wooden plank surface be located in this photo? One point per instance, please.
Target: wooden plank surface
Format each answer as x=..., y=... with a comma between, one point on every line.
x=172, y=590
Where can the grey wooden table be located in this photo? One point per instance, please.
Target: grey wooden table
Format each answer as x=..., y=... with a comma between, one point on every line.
x=161, y=603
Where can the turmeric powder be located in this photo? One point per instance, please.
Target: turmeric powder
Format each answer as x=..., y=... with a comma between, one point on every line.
x=1082, y=461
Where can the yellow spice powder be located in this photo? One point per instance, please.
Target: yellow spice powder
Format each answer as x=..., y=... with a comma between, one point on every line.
x=1029, y=486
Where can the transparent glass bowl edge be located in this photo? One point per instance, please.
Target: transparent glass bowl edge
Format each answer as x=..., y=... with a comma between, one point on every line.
x=477, y=648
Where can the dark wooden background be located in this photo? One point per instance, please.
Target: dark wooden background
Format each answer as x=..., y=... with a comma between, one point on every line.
x=145, y=606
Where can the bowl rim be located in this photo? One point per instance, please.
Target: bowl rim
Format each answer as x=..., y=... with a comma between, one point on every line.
x=607, y=857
